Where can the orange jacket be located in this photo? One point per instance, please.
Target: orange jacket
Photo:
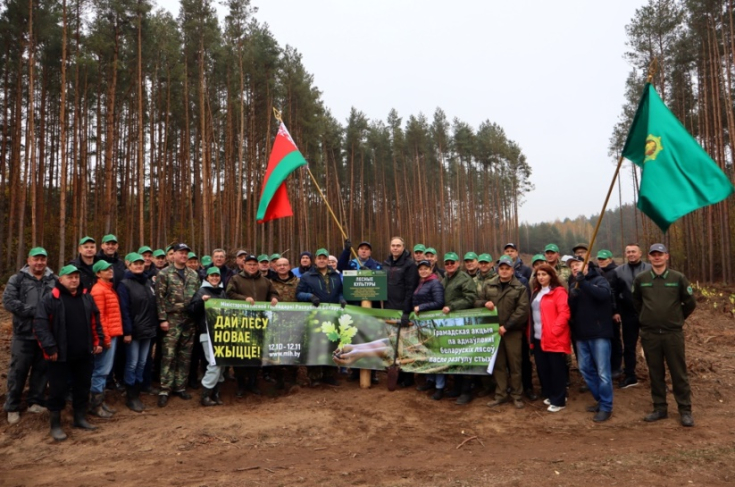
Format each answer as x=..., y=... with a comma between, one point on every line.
x=106, y=300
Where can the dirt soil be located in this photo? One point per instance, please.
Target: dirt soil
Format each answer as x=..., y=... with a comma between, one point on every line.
x=347, y=435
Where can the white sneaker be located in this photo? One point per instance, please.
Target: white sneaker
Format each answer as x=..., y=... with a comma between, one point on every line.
x=547, y=402
x=13, y=417
x=37, y=409
x=554, y=409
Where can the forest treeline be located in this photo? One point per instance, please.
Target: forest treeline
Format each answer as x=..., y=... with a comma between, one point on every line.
x=693, y=42
x=118, y=117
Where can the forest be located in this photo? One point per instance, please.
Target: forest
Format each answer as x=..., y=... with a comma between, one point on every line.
x=118, y=117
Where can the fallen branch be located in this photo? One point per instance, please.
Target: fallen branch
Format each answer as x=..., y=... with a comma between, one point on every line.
x=465, y=441
x=271, y=471
x=243, y=469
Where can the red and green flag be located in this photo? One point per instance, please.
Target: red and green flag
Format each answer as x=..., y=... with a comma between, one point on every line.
x=285, y=158
x=677, y=175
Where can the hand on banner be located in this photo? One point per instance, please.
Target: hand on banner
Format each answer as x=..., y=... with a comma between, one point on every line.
x=206, y=297
x=490, y=305
x=446, y=310
x=315, y=300
x=274, y=301
x=342, y=303
x=416, y=309
x=250, y=301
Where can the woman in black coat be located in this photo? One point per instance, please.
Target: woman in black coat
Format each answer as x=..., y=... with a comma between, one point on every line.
x=429, y=296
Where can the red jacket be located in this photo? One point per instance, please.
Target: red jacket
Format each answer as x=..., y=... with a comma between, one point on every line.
x=106, y=300
x=556, y=335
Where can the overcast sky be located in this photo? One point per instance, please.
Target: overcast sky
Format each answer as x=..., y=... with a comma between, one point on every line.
x=552, y=74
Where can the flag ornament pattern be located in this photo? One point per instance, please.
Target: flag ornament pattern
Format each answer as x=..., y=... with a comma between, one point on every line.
x=677, y=175
x=285, y=158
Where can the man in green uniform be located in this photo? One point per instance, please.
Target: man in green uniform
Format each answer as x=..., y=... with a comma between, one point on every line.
x=418, y=252
x=460, y=292
x=486, y=270
x=663, y=299
x=471, y=264
x=175, y=286
x=551, y=252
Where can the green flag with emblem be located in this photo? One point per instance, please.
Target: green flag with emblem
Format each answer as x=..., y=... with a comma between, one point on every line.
x=677, y=175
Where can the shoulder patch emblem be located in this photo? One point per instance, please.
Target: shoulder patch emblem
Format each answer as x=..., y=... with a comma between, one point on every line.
x=690, y=290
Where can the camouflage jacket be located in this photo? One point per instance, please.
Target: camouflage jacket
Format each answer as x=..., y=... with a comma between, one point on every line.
x=286, y=288
x=564, y=273
x=480, y=278
x=173, y=295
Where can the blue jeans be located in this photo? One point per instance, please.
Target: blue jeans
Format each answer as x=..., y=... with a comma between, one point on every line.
x=135, y=359
x=594, y=364
x=439, y=379
x=102, y=367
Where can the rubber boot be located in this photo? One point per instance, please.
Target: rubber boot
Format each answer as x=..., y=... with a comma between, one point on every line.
x=136, y=389
x=95, y=407
x=56, y=432
x=206, y=400
x=131, y=400
x=215, y=395
x=106, y=407
x=80, y=421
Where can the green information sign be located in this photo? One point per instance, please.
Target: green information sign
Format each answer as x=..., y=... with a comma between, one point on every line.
x=365, y=285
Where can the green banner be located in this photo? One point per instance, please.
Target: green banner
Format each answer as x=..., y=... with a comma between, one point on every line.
x=365, y=285
x=301, y=334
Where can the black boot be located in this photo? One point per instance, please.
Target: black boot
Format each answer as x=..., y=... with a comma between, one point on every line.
x=215, y=395
x=56, y=432
x=132, y=401
x=206, y=400
x=80, y=421
x=95, y=406
x=106, y=407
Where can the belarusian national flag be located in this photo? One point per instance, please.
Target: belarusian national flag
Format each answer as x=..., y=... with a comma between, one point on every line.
x=285, y=158
x=677, y=175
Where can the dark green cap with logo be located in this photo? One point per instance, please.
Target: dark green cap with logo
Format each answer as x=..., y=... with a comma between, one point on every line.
x=109, y=238
x=470, y=256
x=430, y=250
x=537, y=258
x=145, y=249
x=68, y=269
x=263, y=258
x=323, y=252
x=485, y=258
x=84, y=240
x=551, y=248
x=206, y=260
x=101, y=265
x=37, y=251
x=604, y=254
x=213, y=270
x=133, y=257
x=451, y=256
x=419, y=248
x=159, y=253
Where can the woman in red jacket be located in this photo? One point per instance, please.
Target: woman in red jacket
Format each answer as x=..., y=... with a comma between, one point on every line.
x=550, y=336
x=107, y=301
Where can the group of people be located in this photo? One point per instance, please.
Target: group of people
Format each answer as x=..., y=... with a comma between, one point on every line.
x=95, y=325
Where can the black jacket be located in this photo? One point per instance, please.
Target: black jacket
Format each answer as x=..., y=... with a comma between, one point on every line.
x=196, y=305
x=312, y=283
x=623, y=283
x=403, y=277
x=591, y=306
x=522, y=269
x=429, y=295
x=21, y=297
x=118, y=267
x=609, y=273
x=138, y=306
x=87, y=277
x=49, y=326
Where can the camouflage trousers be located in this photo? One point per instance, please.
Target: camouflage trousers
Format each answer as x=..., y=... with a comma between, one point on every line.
x=178, y=343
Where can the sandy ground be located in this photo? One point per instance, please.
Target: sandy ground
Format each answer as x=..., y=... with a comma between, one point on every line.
x=350, y=436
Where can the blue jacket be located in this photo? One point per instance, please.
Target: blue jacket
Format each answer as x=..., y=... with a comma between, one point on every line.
x=312, y=284
x=591, y=306
x=345, y=263
x=429, y=295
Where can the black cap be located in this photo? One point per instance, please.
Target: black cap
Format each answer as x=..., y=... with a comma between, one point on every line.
x=365, y=243
x=658, y=247
x=423, y=262
x=180, y=246
x=251, y=257
x=510, y=244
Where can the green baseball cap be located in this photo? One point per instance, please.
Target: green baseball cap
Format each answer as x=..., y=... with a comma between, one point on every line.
x=101, y=265
x=451, y=256
x=538, y=257
x=604, y=254
x=84, y=240
x=36, y=251
x=505, y=260
x=263, y=258
x=159, y=253
x=134, y=256
x=470, y=256
x=275, y=256
x=551, y=248
x=191, y=255
x=430, y=250
x=485, y=258
x=323, y=252
x=109, y=238
x=68, y=269
x=206, y=260
x=145, y=249
x=169, y=247
x=213, y=270
x=419, y=248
